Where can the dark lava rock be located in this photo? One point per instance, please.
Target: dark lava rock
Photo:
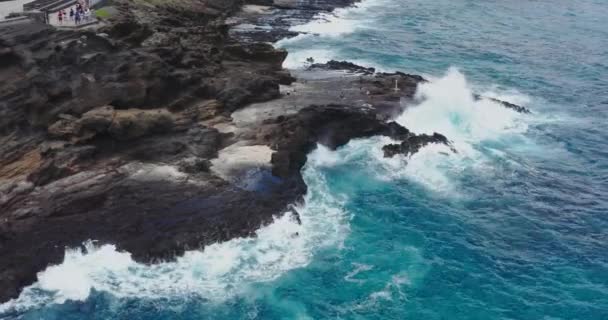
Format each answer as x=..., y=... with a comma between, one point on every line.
x=506, y=104
x=342, y=65
x=512, y=106
x=334, y=126
x=84, y=114
x=413, y=143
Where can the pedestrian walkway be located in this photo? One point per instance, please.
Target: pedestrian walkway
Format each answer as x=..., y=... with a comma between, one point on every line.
x=78, y=19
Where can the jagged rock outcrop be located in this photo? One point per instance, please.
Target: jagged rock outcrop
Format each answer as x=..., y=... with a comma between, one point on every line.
x=332, y=126
x=111, y=135
x=341, y=65
x=412, y=143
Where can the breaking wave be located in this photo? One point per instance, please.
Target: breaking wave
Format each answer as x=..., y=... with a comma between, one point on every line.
x=477, y=128
x=339, y=22
x=481, y=130
x=217, y=273
x=335, y=24
x=448, y=106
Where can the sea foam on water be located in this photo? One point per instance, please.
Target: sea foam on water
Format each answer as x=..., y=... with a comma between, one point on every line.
x=447, y=105
x=217, y=272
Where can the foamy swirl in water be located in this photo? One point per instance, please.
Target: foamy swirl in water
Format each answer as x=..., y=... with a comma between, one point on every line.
x=218, y=272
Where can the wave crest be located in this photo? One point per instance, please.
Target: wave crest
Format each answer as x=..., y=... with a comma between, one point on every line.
x=447, y=105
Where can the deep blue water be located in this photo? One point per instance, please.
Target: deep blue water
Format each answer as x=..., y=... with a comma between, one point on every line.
x=515, y=226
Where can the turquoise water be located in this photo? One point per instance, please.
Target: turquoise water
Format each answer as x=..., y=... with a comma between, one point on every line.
x=514, y=226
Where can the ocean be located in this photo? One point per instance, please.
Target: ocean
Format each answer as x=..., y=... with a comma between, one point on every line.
x=513, y=226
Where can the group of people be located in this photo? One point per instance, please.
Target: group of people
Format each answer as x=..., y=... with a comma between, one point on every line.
x=82, y=14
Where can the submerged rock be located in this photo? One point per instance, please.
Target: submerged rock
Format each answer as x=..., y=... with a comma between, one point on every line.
x=506, y=104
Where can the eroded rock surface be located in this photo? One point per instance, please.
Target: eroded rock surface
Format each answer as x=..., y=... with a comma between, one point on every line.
x=103, y=134
x=163, y=131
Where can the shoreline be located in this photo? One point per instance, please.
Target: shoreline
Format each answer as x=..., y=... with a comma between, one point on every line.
x=148, y=137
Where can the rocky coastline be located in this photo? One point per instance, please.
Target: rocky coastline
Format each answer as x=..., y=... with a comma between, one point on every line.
x=171, y=127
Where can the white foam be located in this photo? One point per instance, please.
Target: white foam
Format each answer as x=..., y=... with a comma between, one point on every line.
x=338, y=23
x=327, y=24
x=218, y=272
x=73, y=280
x=325, y=157
x=224, y=270
x=359, y=268
x=299, y=58
x=447, y=105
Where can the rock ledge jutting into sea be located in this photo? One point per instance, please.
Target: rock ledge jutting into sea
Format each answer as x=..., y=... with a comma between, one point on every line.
x=169, y=128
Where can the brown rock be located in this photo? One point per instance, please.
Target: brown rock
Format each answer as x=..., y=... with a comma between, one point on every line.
x=22, y=166
x=66, y=127
x=134, y=123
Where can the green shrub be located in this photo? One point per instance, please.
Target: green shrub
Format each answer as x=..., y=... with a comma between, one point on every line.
x=102, y=13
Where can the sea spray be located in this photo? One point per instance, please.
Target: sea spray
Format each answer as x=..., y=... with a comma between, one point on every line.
x=477, y=128
x=524, y=247
x=447, y=105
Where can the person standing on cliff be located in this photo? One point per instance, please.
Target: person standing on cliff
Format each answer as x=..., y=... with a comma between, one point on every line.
x=60, y=17
x=87, y=14
x=72, y=14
